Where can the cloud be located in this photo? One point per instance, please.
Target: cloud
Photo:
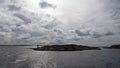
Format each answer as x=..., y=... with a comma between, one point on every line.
x=96, y=35
x=45, y=4
x=1, y=1
x=85, y=22
x=13, y=8
x=51, y=24
x=93, y=34
x=58, y=31
x=22, y=17
x=79, y=33
x=109, y=33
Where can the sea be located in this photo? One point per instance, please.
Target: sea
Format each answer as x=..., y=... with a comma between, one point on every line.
x=24, y=57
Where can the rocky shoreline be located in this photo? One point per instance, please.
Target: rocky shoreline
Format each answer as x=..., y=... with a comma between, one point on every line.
x=67, y=47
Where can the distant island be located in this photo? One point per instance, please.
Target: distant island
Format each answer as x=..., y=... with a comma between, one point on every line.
x=67, y=47
x=117, y=46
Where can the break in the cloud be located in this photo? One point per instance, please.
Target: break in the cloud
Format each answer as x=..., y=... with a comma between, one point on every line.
x=93, y=22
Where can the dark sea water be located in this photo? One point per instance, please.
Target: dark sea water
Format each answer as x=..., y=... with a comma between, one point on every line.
x=23, y=57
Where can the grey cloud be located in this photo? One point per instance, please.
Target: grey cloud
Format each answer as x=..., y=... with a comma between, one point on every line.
x=93, y=34
x=58, y=31
x=6, y=37
x=109, y=33
x=23, y=36
x=57, y=41
x=13, y=8
x=4, y=28
x=60, y=41
x=51, y=24
x=17, y=29
x=37, y=34
x=96, y=35
x=79, y=33
x=1, y=1
x=22, y=41
x=4, y=1
x=77, y=39
x=23, y=17
x=45, y=4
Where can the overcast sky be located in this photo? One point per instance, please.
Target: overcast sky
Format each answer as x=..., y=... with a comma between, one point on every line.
x=85, y=22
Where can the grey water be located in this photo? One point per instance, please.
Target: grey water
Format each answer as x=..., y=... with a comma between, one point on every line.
x=23, y=57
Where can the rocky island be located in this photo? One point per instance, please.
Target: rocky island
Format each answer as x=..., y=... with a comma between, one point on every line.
x=67, y=47
x=117, y=46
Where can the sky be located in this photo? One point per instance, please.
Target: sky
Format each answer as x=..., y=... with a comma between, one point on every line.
x=84, y=22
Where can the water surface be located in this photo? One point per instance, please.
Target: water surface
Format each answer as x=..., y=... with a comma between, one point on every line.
x=23, y=57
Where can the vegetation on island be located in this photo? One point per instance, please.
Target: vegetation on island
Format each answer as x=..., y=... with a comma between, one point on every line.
x=67, y=47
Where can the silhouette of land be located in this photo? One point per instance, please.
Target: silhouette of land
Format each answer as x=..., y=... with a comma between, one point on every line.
x=67, y=47
x=117, y=46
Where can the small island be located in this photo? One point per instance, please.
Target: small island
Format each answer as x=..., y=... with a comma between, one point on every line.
x=67, y=47
x=117, y=46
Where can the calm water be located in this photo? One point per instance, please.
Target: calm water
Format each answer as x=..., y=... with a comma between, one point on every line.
x=23, y=57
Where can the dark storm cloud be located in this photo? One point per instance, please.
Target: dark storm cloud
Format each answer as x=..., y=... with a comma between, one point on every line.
x=22, y=17
x=45, y=4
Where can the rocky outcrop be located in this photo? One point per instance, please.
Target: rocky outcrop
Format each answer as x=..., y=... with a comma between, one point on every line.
x=68, y=47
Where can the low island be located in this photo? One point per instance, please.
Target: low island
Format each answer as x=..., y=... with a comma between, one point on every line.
x=67, y=47
x=117, y=46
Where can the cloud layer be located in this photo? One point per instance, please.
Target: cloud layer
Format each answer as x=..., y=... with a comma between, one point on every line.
x=94, y=22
